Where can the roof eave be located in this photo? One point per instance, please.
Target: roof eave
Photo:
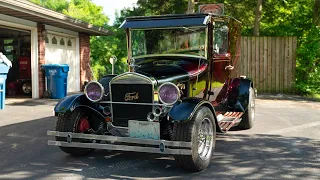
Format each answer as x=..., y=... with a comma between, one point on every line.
x=43, y=13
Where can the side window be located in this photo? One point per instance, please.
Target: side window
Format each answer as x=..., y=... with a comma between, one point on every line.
x=54, y=40
x=69, y=43
x=62, y=42
x=220, y=41
x=46, y=39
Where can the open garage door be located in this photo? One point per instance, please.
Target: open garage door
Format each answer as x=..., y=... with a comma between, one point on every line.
x=62, y=50
x=15, y=44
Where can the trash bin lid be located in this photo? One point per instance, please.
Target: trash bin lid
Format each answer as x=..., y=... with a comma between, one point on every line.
x=5, y=60
x=64, y=67
x=4, y=68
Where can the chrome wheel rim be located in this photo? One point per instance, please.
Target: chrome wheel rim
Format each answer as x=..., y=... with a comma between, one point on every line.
x=205, y=139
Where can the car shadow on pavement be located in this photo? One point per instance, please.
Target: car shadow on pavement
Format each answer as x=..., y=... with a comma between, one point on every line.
x=26, y=155
x=31, y=102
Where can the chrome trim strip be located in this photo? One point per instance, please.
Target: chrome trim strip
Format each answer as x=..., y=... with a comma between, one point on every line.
x=121, y=147
x=129, y=74
x=101, y=87
x=178, y=91
x=130, y=103
x=121, y=139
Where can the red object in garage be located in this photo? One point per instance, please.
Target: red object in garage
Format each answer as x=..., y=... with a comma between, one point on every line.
x=24, y=68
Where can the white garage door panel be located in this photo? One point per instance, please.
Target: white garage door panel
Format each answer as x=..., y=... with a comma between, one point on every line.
x=57, y=53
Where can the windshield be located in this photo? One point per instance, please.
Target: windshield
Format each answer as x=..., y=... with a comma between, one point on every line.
x=186, y=40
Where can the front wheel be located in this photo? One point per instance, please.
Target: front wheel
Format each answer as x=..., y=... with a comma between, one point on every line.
x=76, y=122
x=201, y=132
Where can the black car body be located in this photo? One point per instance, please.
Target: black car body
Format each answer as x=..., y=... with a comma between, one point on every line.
x=181, y=88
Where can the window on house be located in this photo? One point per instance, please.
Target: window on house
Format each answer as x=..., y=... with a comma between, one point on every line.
x=62, y=42
x=47, y=39
x=54, y=40
x=69, y=43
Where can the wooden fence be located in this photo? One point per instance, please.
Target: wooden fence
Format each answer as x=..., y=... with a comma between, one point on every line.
x=270, y=62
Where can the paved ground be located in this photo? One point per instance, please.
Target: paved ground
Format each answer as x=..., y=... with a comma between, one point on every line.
x=284, y=144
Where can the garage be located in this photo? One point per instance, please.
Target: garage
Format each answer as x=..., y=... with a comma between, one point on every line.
x=61, y=49
x=15, y=44
x=32, y=36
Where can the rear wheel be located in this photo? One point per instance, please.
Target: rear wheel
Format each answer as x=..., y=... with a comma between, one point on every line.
x=201, y=132
x=76, y=122
x=249, y=115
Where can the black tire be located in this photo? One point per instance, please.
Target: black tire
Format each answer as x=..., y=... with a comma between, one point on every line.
x=249, y=116
x=26, y=88
x=189, y=132
x=68, y=123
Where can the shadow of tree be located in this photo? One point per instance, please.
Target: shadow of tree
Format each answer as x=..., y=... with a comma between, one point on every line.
x=25, y=154
x=32, y=102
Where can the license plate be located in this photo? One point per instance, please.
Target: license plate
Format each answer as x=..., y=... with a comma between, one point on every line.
x=144, y=129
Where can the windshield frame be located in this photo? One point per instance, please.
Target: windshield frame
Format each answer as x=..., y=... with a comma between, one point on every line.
x=129, y=39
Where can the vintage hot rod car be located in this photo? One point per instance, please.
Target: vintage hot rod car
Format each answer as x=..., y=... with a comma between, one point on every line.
x=181, y=89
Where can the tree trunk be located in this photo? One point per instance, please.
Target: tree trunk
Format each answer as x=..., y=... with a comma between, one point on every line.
x=190, y=7
x=316, y=13
x=257, y=19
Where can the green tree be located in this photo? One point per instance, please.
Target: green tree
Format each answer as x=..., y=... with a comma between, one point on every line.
x=56, y=5
x=86, y=11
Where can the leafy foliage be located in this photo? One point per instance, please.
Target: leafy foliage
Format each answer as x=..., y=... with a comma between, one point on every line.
x=56, y=5
x=86, y=11
x=308, y=64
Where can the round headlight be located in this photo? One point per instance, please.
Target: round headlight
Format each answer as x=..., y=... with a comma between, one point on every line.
x=94, y=91
x=169, y=93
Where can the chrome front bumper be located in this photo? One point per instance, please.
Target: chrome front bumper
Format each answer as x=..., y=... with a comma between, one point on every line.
x=164, y=147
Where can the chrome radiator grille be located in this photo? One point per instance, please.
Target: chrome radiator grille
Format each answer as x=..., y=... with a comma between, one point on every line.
x=138, y=91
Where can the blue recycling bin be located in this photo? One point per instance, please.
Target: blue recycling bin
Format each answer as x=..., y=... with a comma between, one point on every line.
x=57, y=78
x=3, y=76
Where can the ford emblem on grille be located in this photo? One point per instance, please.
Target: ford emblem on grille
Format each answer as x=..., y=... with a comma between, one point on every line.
x=131, y=96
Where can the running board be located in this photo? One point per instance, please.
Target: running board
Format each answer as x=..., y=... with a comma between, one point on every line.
x=229, y=119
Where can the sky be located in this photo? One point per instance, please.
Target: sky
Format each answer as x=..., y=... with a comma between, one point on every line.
x=111, y=6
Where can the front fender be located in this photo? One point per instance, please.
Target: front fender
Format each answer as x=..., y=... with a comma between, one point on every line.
x=242, y=92
x=69, y=103
x=184, y=110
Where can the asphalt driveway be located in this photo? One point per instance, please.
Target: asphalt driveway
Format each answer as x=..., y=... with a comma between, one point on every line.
x=283, y=144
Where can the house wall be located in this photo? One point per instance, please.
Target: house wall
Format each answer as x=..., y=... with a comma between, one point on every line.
x=41, y=58
x=85, y=72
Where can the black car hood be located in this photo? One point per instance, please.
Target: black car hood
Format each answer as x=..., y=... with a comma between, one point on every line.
x=164, y=73
x=171, y=68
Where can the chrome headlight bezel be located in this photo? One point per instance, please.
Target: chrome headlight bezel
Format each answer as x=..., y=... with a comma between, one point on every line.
x=101, y=88
x=177, y=90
